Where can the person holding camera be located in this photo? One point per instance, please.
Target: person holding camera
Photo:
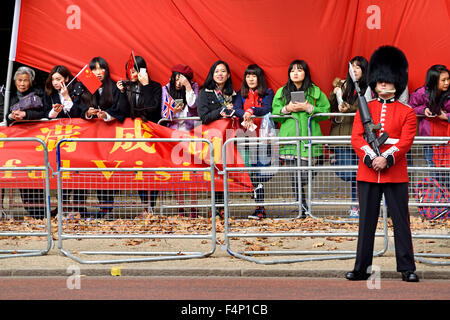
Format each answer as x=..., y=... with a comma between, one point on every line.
x=433, y=102
x=344, y=99
x=311, y=100
x=215, y=101
x=216, y=96
x=140, y=97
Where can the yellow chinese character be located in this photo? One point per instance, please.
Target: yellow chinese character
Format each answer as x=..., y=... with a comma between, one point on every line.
x=52, y=137
x=2, y=135
x=140, y=131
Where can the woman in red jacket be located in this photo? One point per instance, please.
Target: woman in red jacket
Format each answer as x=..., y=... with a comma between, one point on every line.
x=385, y=173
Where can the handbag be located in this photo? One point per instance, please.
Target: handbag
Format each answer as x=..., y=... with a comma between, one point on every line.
x=30, y=101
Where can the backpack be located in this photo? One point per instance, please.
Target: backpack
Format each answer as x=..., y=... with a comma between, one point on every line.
x=429, y=190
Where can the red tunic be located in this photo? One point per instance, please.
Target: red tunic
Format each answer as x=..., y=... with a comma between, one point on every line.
x=399, y=121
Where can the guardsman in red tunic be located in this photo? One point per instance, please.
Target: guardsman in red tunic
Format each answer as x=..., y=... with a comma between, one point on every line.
x=385, y=174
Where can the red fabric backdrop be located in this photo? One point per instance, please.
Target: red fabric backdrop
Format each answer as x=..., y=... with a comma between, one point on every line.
x=271, y=33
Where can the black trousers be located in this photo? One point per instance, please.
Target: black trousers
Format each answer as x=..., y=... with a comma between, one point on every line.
x=396, y=195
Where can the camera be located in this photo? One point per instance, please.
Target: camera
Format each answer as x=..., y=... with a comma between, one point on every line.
x=126, y=83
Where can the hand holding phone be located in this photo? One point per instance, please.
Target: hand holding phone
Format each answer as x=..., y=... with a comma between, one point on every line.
x=179, y=105
x=57, y=107
x=92, y=111
x=228, y=113
x=298, y=96
x=143, y=76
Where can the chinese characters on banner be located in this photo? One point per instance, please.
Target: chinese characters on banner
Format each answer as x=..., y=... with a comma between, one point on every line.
x=122, y=154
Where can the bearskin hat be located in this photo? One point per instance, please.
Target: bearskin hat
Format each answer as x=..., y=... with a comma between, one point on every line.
x=388, y=64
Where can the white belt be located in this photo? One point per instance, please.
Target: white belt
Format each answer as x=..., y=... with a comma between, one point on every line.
x=392, y=141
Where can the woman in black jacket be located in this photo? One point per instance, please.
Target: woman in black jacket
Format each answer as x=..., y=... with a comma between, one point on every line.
x=215, y=101
x=60, y=101
x=140, y=97
x=103, y=103
x=216, y=96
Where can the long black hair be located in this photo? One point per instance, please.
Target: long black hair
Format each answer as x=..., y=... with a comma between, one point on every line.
x=290, y=86
x=431, y=83
x=256, y=70
x=211, y=84
x=107, y=97
x=181, y=93
x=349, y=95
x=137, y=109
x=140, y=63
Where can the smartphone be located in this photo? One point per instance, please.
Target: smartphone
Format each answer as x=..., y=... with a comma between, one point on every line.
x=228, y=112
x=298, y=96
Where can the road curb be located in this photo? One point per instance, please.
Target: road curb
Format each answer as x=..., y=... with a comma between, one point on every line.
x=196, y=272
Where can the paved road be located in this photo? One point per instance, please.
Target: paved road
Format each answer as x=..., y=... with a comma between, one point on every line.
x=217, y=288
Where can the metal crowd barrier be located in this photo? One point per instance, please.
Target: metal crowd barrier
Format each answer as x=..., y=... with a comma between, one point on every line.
x=331, y=190
x=427, y=231
x=283, y=207
x=184, y=214
x=25, y=205
x=140, y=220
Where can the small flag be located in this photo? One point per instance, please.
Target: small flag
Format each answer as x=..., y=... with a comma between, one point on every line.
x=89, y=79
x=169, y=106
x=131, y=64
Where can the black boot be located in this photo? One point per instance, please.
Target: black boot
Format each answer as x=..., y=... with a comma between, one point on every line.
x=357, y=275
x=409, y=276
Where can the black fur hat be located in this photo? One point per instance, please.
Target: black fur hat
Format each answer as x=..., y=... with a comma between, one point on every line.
x=388, y=64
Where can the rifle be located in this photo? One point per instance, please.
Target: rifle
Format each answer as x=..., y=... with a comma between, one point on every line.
x=369, y=127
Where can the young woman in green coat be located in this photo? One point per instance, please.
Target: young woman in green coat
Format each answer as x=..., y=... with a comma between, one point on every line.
x=299, y=79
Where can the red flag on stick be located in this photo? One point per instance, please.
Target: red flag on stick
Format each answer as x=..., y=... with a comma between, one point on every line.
x=89, y=79
x=131, y=64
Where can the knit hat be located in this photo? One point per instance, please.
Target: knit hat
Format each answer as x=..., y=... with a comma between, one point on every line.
x=184, y=69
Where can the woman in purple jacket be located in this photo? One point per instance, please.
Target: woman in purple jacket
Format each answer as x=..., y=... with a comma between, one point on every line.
x=184, y=91
x=432, y=100
x=181, y=87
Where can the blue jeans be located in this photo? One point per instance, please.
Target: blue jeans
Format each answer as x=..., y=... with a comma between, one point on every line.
x=345, y=156
x=428, y=153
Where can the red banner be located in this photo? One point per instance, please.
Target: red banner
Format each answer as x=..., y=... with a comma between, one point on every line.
x=326, y=34
x=120, y=154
